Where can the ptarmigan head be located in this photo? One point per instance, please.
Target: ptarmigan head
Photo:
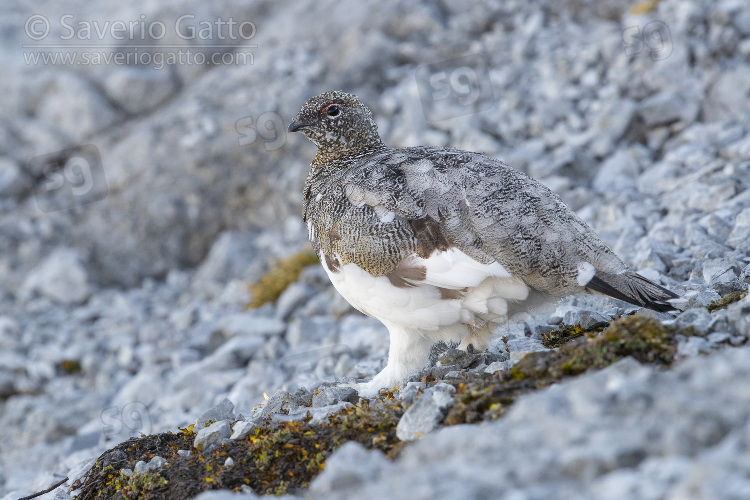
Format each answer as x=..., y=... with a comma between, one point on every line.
x=338, y=124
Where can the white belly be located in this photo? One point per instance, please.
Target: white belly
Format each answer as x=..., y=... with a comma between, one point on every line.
x=422, y=308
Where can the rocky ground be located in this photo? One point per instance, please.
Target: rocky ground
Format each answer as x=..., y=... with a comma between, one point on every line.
x=139, y=205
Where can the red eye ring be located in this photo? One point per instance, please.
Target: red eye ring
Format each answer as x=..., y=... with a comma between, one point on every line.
x=333, y=110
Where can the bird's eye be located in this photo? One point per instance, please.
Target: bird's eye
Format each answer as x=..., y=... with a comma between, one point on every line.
x=332, y=110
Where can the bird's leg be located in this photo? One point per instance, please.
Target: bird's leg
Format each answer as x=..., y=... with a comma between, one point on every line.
x=409, y=352
x=478, y=339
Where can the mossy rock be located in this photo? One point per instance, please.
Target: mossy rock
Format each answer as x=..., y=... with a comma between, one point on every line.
x=488, y=397
x=729, y=298
x=282, y=274
x=275, y=459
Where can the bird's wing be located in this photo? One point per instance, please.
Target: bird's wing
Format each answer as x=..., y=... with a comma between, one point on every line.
x=453, y=199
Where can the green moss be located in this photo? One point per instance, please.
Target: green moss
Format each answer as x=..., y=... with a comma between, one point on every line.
x=489, y=396
x=561, y=335
x=70, y=366
x=276, y=458
x=279, y=277
x=723, y=302
x=644, y=7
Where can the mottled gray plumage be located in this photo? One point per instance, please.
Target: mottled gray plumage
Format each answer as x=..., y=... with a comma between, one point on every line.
x=380, y=208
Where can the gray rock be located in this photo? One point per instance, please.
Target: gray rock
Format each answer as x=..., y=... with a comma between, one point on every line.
x=719, y=271
x=617, y=173
x=457, y=357
x=213, y=435
x=14, y=182
x=155, y=463
x=243, y=428
x=524, y=345
x=60, y=277
x=699, y=319
x=725, y=101
x=426, y=413
x=223, y=411
x=74, y=105
x=667, y=107
x=136, y=90
x=410, y=392
x=497, y=366
x=313, y=416
x=693, y=346
x=739, y=238
x=250, y=324
x=293, y=297
x=333, y=395
x=348, y=467
x=281, y=402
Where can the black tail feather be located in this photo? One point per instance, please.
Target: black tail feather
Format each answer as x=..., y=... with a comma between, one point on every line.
x=634, y=289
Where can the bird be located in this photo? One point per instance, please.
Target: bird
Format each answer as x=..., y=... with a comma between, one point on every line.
x=442, y=244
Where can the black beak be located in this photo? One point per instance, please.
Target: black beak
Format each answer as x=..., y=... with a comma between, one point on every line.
x=295, y=126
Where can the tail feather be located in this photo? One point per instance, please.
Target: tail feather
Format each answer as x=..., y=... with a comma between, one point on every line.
x=633, y=288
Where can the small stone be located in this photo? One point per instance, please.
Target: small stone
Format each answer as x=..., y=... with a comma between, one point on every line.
x=243, y=428
x=667, y=107
x=60, y=277
x=592, y=319
x=128, y=472
x=411, y=392
x=214, y=434
x=281, y=402
x=14, y=182
x=716, y=338
x=739, y=238
x=185, y=453
x=313, y=416
x=222, y=411
x=250, y=324
x=349, y=466
x=229, y=462
x=693, y=346
x=457, y=357
x=333, y=395
x=719, y=271
x=698, y=318
x=617, y=173
x=524, y=345
x=496, y=366
x=426, y=413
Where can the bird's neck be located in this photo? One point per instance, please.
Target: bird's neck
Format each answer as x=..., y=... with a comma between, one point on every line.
x=342, y=155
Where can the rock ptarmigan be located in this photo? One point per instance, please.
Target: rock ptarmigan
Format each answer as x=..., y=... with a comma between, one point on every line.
x=441, y=244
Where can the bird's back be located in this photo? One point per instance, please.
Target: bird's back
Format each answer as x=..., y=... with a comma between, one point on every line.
x=379, y=208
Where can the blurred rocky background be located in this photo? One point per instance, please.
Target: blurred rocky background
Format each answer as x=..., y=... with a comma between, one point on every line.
x=147, y=180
